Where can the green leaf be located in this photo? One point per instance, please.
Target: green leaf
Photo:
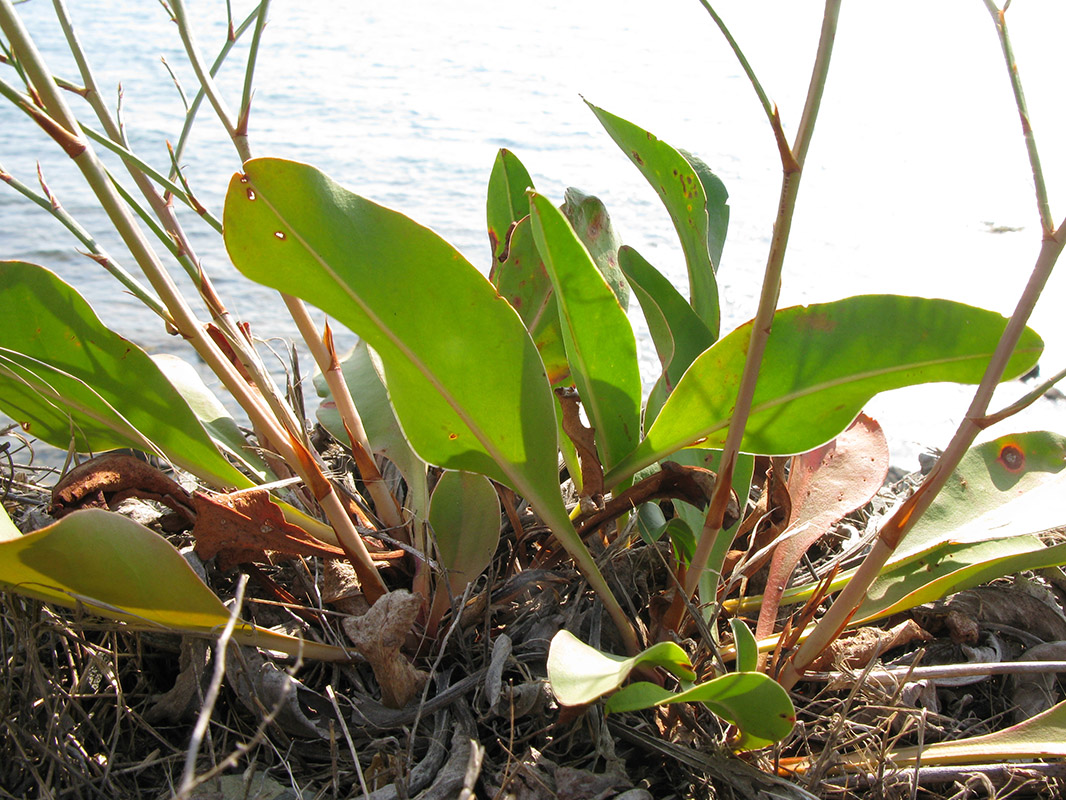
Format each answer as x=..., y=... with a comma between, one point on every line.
x=465, y=515
x=717, y=207
x=589, y=218
x=8, y=531
x=523, y=280
x=746, y=647
x=580, y=674
x=218, y=422
x=111, y=566
x=987, y=499
x=362, y=375
x=67, y=378
x=507, y=202
x=756, y=703
x=681, y=190
x=457, y=360
x=822, y=364
x=677, y=331
x=464, y=378
x=600, y=345
x=952, y=568
x=1042, y=736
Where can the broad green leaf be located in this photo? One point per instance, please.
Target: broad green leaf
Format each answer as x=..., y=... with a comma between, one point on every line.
x=580, y=674
x=676, y=330
x=600, y=345
x=1042, y=736
x=589, y=218
x=114, y=567
x=679, y=187
x=463, y=376
x=458, y=362
x=523, y=280
x=651, y=522
x=507, y=202
x=382, y=430
x=822, y=364
x=756, y=703
x=747, y=649
x=67, y=378
x=465, y=515
x=218, y=422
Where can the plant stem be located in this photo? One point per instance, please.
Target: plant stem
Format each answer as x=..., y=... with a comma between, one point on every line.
x=206, y=79
x=976, y=419
x=253, y=52
x=190, y=116
x=999, y=18
x=792, y=163
x=64, y=127
x=322, y=350
x=764, y=101
x=911, y=509
x=99, y=255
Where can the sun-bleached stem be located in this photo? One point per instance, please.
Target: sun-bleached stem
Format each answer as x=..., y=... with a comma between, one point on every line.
x=321, y=347
x=61, y=124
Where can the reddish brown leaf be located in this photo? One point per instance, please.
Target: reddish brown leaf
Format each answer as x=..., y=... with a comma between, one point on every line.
x=241, y=526
x=824, y=484
x=108, y=479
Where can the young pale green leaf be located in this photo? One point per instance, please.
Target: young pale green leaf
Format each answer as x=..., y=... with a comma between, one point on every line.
x=67, y=378
x=676, y=330
x=600, y=346
x=679, y=187
x=822, y=364
x=580, y=674
x=589, y=218
x=507, y=201
x=457, y=360
x=756, y=703
x=465, y=515
x=111, y=566
x=1042, y=736
x=747, y=649
x=951, y=568
x=363, y=378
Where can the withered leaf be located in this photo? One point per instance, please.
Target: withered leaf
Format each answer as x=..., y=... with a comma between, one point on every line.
x=240, y=527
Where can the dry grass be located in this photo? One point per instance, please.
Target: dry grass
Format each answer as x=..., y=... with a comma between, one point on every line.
x=95, y=710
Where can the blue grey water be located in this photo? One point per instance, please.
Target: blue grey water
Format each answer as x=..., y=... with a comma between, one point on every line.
x=917, y=161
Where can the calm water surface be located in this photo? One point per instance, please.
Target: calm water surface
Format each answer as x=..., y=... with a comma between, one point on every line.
x=916, y=162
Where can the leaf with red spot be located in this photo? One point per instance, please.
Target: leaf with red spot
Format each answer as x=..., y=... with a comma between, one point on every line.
x=822, y=364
